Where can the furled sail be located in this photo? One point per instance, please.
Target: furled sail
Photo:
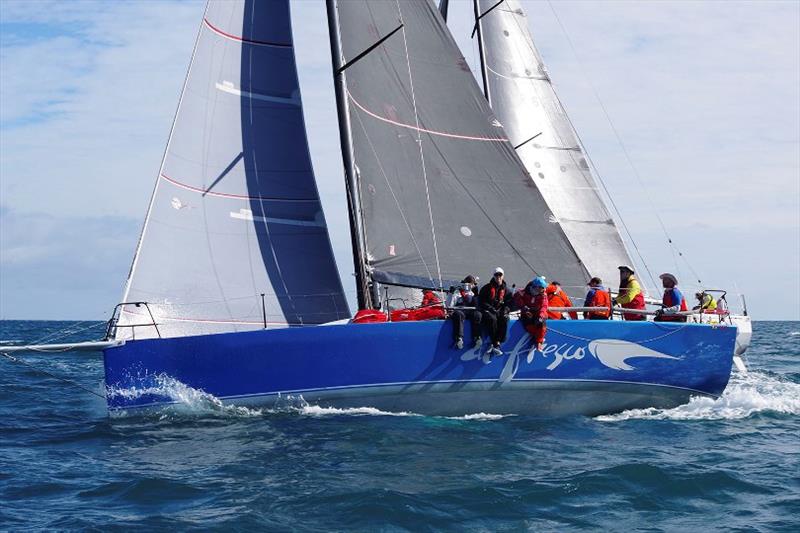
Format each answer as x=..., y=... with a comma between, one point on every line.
x=235, y=212
x=524, y=101
x=441, y=193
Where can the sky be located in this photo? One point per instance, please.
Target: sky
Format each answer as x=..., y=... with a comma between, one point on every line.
x=705, y=96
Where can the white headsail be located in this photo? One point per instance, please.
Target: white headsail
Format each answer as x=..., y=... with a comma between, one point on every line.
x=523, y=98
x=235, y=212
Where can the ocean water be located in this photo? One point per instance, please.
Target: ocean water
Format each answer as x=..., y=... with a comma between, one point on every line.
x=730, y=464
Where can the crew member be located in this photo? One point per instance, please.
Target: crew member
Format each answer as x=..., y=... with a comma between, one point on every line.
x=557, y=297
x=464, y=296
x=532, y=303
x=597, y=296
x=672, y=301
x=707, y=302
x=494, y=299
x=630, y=293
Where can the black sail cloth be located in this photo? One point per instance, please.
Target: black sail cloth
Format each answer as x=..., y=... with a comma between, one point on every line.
x=442, y=193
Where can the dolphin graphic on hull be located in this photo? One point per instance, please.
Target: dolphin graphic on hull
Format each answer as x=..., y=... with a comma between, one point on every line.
x=613, y=352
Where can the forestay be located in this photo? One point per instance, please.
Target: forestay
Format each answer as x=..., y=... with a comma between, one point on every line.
x=526, y=104
x=235, y=212
x=442, y=193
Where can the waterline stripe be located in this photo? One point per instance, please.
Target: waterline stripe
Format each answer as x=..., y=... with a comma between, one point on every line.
x=426, y=382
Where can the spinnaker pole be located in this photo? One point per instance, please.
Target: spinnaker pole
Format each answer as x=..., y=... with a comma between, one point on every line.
x=345, y=139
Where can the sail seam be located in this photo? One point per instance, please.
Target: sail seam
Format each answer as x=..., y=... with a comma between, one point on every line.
x=243, y=39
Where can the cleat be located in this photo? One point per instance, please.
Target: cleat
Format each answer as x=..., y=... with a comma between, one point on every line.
x=477, y=341
x=497, y=351
x=459, y=343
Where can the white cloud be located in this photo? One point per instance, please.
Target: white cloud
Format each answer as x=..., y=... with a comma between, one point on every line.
x=706, y=96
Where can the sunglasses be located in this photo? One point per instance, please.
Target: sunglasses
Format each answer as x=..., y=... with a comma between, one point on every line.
x=499, y=274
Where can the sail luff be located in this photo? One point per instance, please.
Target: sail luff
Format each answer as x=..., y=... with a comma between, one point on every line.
x=126, y=291
x=345, y=140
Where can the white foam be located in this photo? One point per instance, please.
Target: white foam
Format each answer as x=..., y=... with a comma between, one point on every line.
x=316, y=410
x=479, y=416
x=794, y=333
x=755, y=392
x=186, y=399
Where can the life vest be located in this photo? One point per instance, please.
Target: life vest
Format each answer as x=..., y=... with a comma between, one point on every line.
x=600, y=298
x=709, y=303
x=466, y=298
x=492, y=296
x=668, y=300
x=556, y=297
x=636, y=303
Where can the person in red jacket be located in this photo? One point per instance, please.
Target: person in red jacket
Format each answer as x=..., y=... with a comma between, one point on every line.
x=556, y=297
x=532, y=304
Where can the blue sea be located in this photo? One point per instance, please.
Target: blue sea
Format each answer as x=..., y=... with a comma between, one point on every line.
x=730, y=464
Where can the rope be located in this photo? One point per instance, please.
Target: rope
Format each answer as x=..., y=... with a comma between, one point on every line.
x=577, y=337
x=50, y=374
x=419, y=144
x=625, y=152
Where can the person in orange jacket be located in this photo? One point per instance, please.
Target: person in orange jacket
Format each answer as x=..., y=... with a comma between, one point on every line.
x=556, y=297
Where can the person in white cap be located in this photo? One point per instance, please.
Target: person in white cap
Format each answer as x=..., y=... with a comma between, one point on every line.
x=672, y=301
x=494, y=300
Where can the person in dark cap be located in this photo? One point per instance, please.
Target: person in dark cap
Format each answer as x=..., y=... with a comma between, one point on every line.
x=630, y=293
x=464, y=296
x=672, y=301
x=597, y=296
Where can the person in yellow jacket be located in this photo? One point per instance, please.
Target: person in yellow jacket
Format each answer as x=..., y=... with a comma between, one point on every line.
x=707, y=302
x=630, y=293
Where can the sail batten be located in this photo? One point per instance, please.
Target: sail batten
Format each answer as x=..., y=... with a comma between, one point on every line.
x=236, y=238
x=525, y=102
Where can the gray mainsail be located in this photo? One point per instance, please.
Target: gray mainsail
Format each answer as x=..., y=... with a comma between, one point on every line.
x=440, y=191
x=525, y=102
x=235, y=212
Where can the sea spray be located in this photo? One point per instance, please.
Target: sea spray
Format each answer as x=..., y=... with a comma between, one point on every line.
x=185, y=399
x=746, y=395
x=189, y=400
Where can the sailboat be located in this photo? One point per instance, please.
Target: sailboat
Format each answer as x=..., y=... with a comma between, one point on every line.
x=233, y=289
x=521, y=94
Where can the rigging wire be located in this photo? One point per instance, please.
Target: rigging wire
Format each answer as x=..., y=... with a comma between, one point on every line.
x=50, y=374
x=624, y=151
x=419, y=143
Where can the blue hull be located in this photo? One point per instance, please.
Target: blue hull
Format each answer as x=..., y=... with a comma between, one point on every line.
x=586, y=367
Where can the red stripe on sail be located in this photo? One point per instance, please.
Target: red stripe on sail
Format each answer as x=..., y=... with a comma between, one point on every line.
x=230, y=195
x=425, y=130
x=243, y=39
